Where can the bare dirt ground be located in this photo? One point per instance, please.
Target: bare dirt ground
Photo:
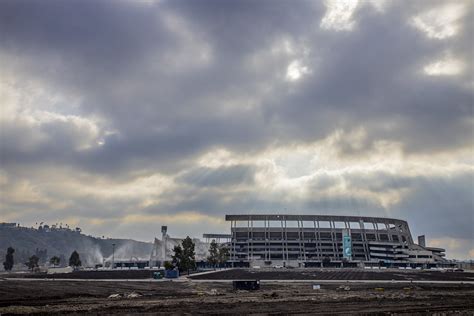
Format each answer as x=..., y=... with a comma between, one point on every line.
x=337, y=274
x=218, y=298
x=84, y=274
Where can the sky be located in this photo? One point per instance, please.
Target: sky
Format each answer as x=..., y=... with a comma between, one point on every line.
x=122, y=116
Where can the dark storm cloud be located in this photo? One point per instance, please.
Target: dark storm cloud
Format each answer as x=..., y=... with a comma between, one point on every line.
x=372, y=77
x=439, y=204
x=378, y=181
x=252, y=200
x=324, y=181
x=158, y=84
x=238, y=28
x=219, y=177
x=95, y=52
x=104, y=50
x=85, y=37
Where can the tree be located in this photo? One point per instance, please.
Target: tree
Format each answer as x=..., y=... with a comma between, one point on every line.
x=8, y=263
x=74, y=260
x=184, y=256
x=213, y=257
x=177, y=257
x=189, y=255
x=32, y=262
x=223, y=255
x=168, y=265
x=55, y=261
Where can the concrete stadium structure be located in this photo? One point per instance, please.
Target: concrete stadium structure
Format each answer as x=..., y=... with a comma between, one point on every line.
x=163, y=249
x=306, y=240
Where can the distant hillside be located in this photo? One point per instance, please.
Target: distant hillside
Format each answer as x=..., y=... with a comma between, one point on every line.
x=47, y=242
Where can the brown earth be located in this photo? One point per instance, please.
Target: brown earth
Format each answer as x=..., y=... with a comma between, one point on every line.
x=85, y=274
x=197, y=297
x=336, y=274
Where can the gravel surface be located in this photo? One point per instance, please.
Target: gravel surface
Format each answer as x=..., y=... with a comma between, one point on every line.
x=165, y=298
x=333, y=274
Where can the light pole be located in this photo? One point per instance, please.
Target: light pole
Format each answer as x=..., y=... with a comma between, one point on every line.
x=113, y=256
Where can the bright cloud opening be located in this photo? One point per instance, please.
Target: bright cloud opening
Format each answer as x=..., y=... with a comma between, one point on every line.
x=444, y=67
x=339, y=15
x=440, y=22
x=296, y=70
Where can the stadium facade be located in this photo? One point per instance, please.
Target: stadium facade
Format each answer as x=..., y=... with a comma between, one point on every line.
x=309, y=240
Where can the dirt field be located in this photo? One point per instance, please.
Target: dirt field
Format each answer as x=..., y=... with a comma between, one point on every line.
x=93, y=274
x=337, y=274
x=193, y=297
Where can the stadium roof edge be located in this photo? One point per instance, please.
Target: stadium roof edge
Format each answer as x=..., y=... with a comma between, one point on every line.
x=244, y=217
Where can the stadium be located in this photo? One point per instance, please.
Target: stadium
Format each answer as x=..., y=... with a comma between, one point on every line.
x=314, y=240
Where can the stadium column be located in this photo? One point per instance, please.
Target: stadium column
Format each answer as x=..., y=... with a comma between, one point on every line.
x=364, y=240
x=267, y=253
x=302, y=239
x=251, y=250
x=317, y=235
x=376, y=229
x=332, y=225
x=284, y=239
x=347, y=225
x=399, y=235
x=234, y=238
x=387, y=228
x=248, y=238
x=408, y=233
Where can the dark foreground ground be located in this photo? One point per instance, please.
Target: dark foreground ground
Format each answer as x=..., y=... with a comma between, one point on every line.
x=84, y=274
x=72, y=297
x=267, y=274
x=337, y=274
x=49, y=297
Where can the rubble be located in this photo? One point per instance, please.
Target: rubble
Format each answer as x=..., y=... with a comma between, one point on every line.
x=133, y=295
x=344, y=288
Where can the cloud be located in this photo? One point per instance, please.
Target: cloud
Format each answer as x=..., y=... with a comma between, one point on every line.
x=218, y=177
x=164, y=108
x=339, y=15
x=449, y=67
x=442, y=21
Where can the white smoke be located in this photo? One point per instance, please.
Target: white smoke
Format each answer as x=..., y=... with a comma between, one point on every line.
x=128, y=251
x=201, y=248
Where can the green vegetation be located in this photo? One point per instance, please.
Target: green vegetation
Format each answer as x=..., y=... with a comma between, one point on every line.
x=55, y=261
x=184, y=255
x=213, y=257
x=32, y=262
x=168, y=265
x=223, y=255
x=8, y=263
x=218, y=255
x=74, y=260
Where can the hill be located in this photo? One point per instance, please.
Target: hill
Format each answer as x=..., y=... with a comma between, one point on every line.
x=47, y=242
